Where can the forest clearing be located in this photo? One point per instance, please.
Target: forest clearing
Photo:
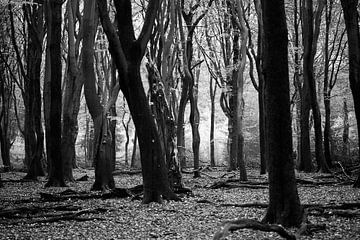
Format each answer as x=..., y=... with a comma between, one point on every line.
x=197, y=216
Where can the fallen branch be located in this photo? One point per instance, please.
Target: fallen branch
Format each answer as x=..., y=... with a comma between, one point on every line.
x=246, y=205
x=251, y=224
x=70, y=194
x=224, y=184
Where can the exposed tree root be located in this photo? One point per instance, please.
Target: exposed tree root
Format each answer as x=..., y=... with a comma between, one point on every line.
x=251, y=224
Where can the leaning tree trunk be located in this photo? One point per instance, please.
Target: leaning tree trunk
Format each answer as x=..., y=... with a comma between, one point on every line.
x=165, y=125
x=127, y=53
x=284, y=204
x=102, y=136
x=56, y=173
x=352, y=28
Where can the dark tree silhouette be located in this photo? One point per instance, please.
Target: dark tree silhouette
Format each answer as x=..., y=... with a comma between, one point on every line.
x=30, y=70
x=127, y=53
x=102, y=135
x=56, y=173
x=284, y=204
x=351, y=16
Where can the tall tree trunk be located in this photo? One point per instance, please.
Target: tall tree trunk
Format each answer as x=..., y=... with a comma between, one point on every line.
x=194, y=122
x=102, y=136
x=56, y=171
x=260, y=86
x=71, y=101
x=33, y=134
x=165, y=126
x=6, y=91
x=180, y=129
x=345, y=135
x=284, y=204
x=351, y=16
x=311, y=32
x=327, y=89
x=212, y=121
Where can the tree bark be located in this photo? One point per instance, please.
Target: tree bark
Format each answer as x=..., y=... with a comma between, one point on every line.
x=351, y=17
x=71, y=101
x=56, y=172
x=212, y=121
x=284, y=204
x=310, y=37
x=33, y=134
x=345, y=135
x=102, y=136
x=127, y=53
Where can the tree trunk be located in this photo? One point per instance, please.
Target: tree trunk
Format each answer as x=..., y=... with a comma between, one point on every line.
x=71, y=101
x=305, y=159
x=351, y=17
x=165, y=126
x=127, y=53
x=212, y=121
x=327, y=88
x=260, y=88
x=5, y=97
x=284, y=204
x=345, y=135
x=194, y=122
x=311, y=32
x=180, y=129
x=102, y=136
x=135, y=160
x=34, y=135
x=126, y=128
x=56, y=171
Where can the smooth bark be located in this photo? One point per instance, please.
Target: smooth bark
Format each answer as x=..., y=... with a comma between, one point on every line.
x=284, y=204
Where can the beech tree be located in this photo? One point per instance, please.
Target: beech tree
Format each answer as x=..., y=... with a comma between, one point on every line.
x=351, y=16
x=102, y=150
x=73, y=85
x=54, y=19
x=30, y=69
x=284, y=204
x=127, y=53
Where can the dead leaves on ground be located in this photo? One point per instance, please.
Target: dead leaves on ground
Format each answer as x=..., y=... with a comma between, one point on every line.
x=196, y=217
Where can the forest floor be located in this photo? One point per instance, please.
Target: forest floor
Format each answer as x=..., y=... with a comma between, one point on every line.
x=25, y=214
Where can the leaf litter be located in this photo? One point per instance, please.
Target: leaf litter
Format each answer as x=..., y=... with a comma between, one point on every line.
x=195, y=217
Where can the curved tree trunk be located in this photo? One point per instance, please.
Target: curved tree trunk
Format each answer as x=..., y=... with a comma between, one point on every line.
x=284, y=204
x=102, y=136
x=127, y=53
